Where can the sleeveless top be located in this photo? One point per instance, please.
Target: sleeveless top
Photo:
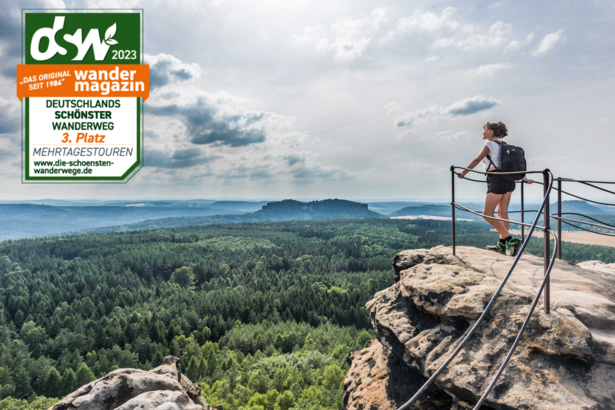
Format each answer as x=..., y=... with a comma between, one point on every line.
x=494, y=153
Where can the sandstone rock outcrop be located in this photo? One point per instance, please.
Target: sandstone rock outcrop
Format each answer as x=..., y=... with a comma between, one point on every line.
x=130, y=389
x=598, y=266
x=565, y=360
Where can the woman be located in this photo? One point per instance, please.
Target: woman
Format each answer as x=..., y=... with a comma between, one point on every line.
x=499, y=190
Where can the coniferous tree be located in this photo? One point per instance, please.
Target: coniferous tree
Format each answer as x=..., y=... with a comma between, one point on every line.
x=69, y=381
x=184, y=277
x=193, y=369
x=23, y=388
x=84, y=375
x=53, y=383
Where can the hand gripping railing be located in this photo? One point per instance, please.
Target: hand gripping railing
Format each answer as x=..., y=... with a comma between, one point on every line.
x=548, y=266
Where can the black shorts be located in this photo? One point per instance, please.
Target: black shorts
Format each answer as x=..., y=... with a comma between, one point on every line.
x=498, y=185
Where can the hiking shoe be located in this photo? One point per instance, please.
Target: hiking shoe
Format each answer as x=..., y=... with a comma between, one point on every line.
x=498, y=247
x=514, y=244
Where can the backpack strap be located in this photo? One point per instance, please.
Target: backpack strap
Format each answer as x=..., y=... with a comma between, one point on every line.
x=489, y=156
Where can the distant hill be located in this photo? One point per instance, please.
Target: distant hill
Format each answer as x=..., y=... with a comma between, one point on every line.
x=28, y=220
x=580, y=207
x=31, y=220
x=243, y=206
x=438, y=210
x=286, y=210
x=289, y=209
x=388, y=207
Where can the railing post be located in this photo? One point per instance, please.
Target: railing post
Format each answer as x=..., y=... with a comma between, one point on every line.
x=547, y=217
x=559, y=214
x=453, y=204
x=522, y=213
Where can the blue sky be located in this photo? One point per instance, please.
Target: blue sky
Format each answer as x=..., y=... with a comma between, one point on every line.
x=349, y=99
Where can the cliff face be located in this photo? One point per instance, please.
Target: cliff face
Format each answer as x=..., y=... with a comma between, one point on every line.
x=566, y=360
x=128, y=389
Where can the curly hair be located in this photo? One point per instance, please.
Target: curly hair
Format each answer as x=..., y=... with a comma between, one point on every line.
x=499, y=129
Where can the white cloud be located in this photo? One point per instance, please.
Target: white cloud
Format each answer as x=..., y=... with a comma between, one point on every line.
x=166, y=69
x=428, y=21
x=214, y=136
x=497, y=35
x=352, y=36
x=310, y=34
x=425, y=21
x=488, y=70
x=465, y=107
x=10, y=119
x=451, y=135
x=513, y=46
x=471, y=105
x=548, y=42
x=55, y=4
x=516, y=44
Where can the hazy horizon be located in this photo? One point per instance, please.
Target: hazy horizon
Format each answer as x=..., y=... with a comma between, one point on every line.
x=431, y=200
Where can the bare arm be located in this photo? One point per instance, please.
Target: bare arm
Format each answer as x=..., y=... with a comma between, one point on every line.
x=483, y=153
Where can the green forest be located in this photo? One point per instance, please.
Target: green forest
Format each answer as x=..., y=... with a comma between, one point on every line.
x=263, y=315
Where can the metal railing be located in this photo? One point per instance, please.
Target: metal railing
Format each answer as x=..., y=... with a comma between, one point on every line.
x=548, y=186
x=549, y=261
x=569, y=221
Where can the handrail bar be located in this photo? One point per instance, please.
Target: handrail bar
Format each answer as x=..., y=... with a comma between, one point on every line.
x=463, y=208
x=587, y=230
x=495, y=295
x=499, y=173
x=606, y=226
x=579, y=197
x=597, y=187
x=583, y=181
x=557, y=189
x=523, y=327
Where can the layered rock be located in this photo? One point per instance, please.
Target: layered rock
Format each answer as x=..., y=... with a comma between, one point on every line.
x=565, y=359
x=128, y=389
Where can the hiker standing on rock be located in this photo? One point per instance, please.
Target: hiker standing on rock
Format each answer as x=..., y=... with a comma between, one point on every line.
x=499, y=190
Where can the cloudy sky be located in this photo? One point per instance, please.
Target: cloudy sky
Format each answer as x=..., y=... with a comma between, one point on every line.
x=350, y=99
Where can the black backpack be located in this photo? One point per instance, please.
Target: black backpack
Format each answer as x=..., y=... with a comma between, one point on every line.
x=512, y=159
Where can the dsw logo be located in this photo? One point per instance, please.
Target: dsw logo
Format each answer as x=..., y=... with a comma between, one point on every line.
x=92, y=40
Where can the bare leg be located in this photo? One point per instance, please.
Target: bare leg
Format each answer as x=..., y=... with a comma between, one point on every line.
x=491, y=202
x=503, y=209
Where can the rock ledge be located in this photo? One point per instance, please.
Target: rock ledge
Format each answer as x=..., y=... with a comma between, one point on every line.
x=566, y=359
x=128, y=389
